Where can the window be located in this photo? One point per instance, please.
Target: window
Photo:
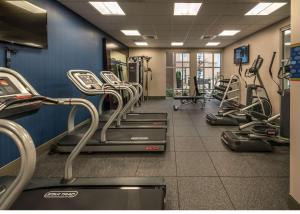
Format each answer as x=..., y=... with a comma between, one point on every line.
x=182, y=74
x=208, y=69
x=178, y=74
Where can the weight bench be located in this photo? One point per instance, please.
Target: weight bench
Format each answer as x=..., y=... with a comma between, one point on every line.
x=185, y=100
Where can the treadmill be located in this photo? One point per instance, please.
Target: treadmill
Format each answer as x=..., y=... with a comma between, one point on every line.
x=111, y=79
x=107, y=139
x=19, y=98
x=121, y=121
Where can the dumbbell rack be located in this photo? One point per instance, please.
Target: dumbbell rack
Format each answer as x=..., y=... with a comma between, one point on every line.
x=228, y=90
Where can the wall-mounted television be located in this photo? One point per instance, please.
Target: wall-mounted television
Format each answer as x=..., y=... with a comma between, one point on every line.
x=241, y=53
x=23, y=23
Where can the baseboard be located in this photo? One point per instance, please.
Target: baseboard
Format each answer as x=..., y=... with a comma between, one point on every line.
x=13, y=166
x=293, y=204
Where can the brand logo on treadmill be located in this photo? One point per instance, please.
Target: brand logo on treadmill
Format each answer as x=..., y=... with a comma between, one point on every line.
x=61, y=194
x=152, y=148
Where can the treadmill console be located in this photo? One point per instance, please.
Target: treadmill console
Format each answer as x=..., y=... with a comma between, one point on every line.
x=16, y=97
x=111, y=78
x=88, y=80
x=7, y=88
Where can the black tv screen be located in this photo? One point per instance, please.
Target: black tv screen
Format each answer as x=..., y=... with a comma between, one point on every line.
x=241, y=53
x=23, y=24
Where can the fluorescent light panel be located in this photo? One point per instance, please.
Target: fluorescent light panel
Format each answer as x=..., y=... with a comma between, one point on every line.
x=131, y=32
x=111, y=45
x=141, y=43
x=229, y=32
x=27, y=6
x=212, y=43
x=186, y=9
x=265, y=8
x=177, y=43
x=108, y=8
x=287, y=44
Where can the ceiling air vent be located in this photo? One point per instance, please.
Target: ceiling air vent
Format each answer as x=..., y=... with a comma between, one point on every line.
x=208, y=37
x=150, y=37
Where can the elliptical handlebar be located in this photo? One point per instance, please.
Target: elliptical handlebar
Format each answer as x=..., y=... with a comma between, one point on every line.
x=240, y=72
x=254, y=69
x=271, y=72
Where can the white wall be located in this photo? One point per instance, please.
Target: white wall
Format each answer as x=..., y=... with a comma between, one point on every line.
x=264, y=43
x=295, y=113
x=158, y=66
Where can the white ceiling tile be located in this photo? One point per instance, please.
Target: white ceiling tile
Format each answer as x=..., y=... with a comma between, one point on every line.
x=155, y=17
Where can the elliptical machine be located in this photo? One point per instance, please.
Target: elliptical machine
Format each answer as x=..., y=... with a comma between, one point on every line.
x=257, y=100
x=265, y=132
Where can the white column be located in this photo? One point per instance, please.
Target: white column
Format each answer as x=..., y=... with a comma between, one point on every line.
x=295, y=111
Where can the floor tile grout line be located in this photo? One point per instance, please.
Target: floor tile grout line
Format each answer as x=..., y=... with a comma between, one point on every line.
x=177, y=184
x=221, y=181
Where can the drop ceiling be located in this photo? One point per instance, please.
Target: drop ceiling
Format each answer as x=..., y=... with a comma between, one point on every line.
x=155, y=17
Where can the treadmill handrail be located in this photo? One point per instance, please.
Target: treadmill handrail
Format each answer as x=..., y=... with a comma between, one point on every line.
x=137, y=93
x=127, y=106
x=13, y=101
x=105, y=89
x=68, y=173
x=122, y=86
x=27, y=152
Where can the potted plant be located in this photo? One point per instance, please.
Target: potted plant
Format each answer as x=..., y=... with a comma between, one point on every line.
x=178, y=79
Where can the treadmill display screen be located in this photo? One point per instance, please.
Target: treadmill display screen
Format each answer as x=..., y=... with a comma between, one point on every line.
x=112, y=77
x=7, y=87
x=89, y=81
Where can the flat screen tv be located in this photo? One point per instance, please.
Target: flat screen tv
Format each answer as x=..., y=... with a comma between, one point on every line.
x=23, y=24
x=241, y=53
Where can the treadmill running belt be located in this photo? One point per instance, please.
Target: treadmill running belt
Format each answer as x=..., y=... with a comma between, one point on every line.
x=127, y=134
x=147, y=116
x=91, y=198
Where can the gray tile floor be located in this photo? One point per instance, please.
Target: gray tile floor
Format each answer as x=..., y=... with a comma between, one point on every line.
x=200, y=172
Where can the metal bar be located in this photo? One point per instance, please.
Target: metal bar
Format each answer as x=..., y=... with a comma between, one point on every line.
x=27, y=152
x=68, y=174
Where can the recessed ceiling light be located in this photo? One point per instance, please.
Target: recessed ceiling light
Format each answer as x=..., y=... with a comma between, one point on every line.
x=27, y=6
x=108, y=8
x=131, y=32
x=287, y=44
x=212, y=43
x=186, y=9
x=287, y=32
x=177, y=43
x=263, y=9
x=229, y=32
x=141, y=43
x=111, y=45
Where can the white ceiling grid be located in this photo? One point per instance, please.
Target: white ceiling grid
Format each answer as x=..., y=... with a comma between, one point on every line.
x=155, y=17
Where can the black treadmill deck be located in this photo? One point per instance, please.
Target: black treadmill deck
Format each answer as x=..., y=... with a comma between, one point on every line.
x=137, y=116
x=118, y=140
x=93, y=194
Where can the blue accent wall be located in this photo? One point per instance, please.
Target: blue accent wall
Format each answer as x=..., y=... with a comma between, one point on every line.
x=73, y=43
